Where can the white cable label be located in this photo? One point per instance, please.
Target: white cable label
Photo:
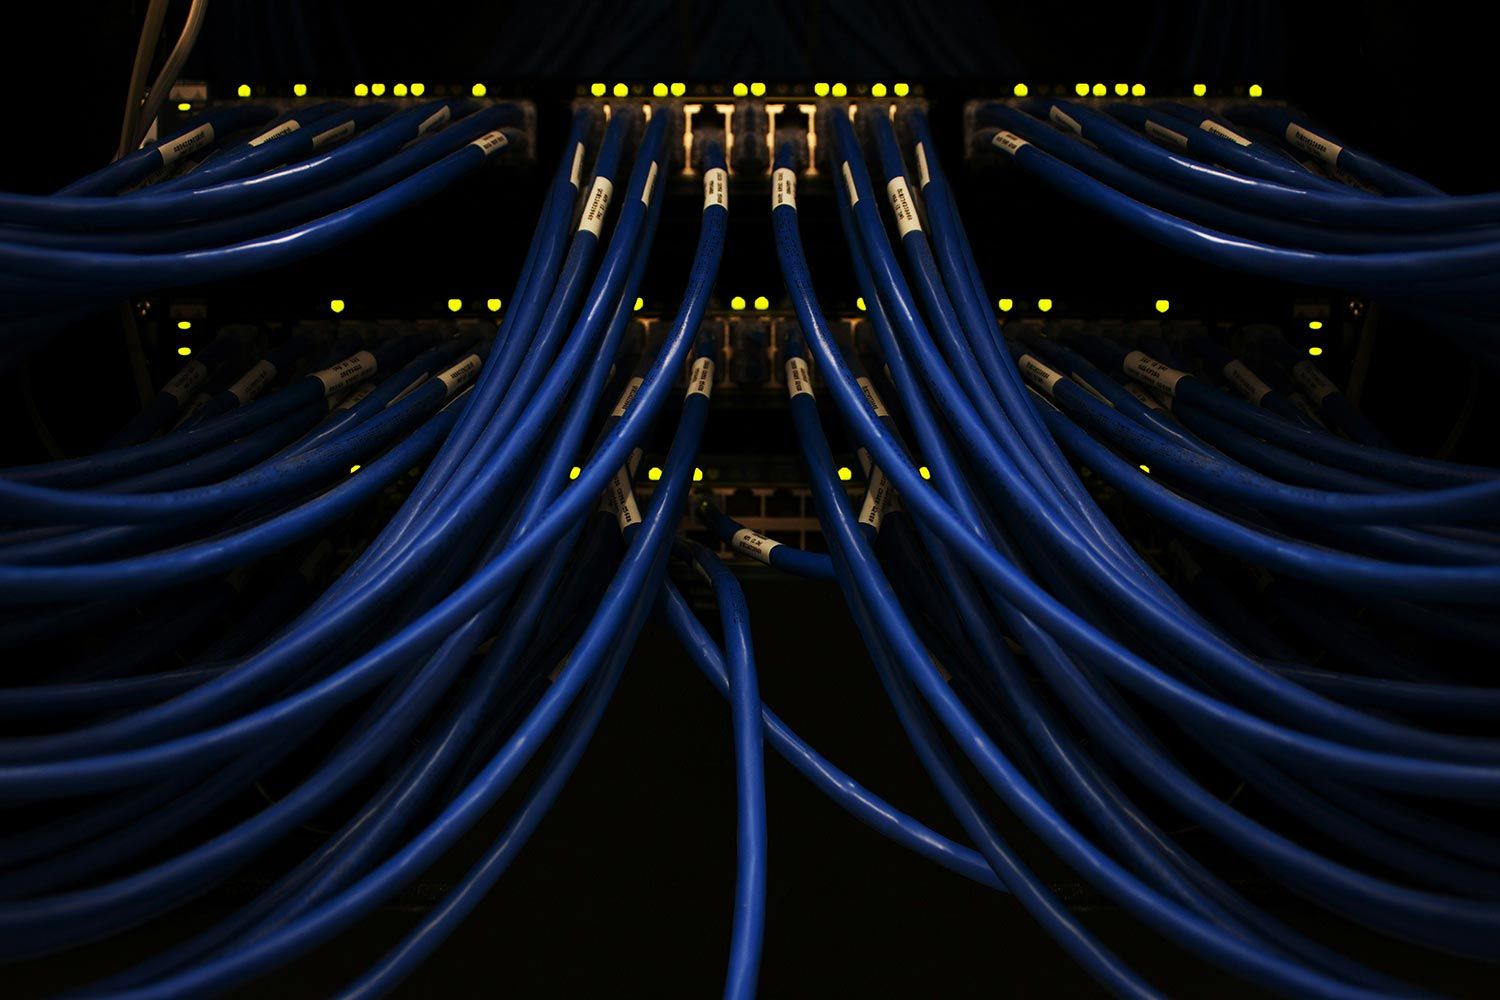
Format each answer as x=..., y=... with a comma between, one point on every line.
x=783, y=188
x=491, y=141
x=1143, y=397
x=627, y=396
x=253, y=381
x=922, y=166
x=577, y=166
x=285, y=128
x=432, y=121
x=753, y=544
x=849, y=183
x=1067, y=121
x=902, y=205
x=185, y=382
x=1039, y=374
x=1315, y=144
x=1165, y=135
x=621, y=499
x=186, y=143
x=871, y=396
x=650, y=183
x=1312, y=381
x=1009, y=141
x=461, y=374
x=798, y=377
x=1140, y=365
x=1214, y=128
x=716, y=188
x=596, y=206
x=1245, y=381
x=355, y=368
x=349, y=401
x=878, y=498
x=334, y=134
x=701, y=378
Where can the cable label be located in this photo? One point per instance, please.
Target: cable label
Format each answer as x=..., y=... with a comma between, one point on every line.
x=596, y=206
x=1214, y=128
x=355, y=368
x=1245, y=381
x=1312, y=381
x=619, y=498
x=1043, y=378
x=338, y=132
x=1140, y=365
x=871, y=396
x=185, y=382
x=1063, y=119
x=577, y=166
x=650, y=183
x=186, y=143
x=461, y=374
x=922, y=166
x=878, y=498
x=753, y=544
x=1165, y=135
x=1312, y=143
x=1009, y=141
x=798, y=377
x=716, y=188
x=903, y=206
x=849, y=183
x=253, y=381
x=491, y=141
x=350, y=400
x=627, y=396
x=437, y=118
x=783, y=188
x=701, y=378
x=285, y=128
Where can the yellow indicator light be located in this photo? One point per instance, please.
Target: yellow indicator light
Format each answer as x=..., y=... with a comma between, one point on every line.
x=1045, y=305
x=1255, y=90
x=821, y=89
x=454, y=305
x=184, y=324
x=378, y=89
x=697, y=475
x=845, y=473
x=1100, y=90
x=738, y=302
x=839, y=90
x=1121, y=89
x=757, y=90
x=354, y=468
x=762, y=303
x=598, y=90
x=399, y=90
x=1315, y=351
x=902, y=89
x=1006, y=305
x=479, y=90
x=654, y=473
x=640, y=303
x=860, y=303
x=877, y=90
x=1200, y=90
x=184, y=106
x=361, y=90
x=658, y=90
x=337, y=305
x=574, y=472
x=300, y=89
x=1081, y=89
x=1138, y=90
x=243, y=90
x=621, y=90
x=493, y=305
x=740, y=90
x=1020, y=90
x=1162, y=305
x=1315, y=324
x=184, y=350
x=418, y=89
x=1145, y=468
x=926, y=472
x=678, y=89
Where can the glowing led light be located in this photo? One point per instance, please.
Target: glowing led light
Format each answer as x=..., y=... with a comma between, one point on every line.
x=418, y=89
x=184, y=324
x=1121, y=89
x=1145, y=468
x=378, y=89
x=1006, y=305
x=845, y=473
x=361, y=90
x=493, y=305
x=399, y=90
x=598, y=90
x=697, y=475
x=354, y=468
x=454, y=305
x=574, y=472
x=1081, y=89
x=184, y=350
x=621, y=90
x=640, y=303
x=1137, y=90
x=678, y=89
x=821, y=89
x=184, y=106
x=1200, y=90
x=658, y=90
x=300, y=89
x=1162, y=305
x=877, y=90
x=243, y=90
x=1045, y=305
x=902, y=89
x=337, y=305
x=479, y=90
x=738, y=302
x=839, y=90
x=1315, y=324
x=926, y=472
x=1020, y=90
x=1315, y=351
x=740, y=90
x=1100, y=90
x=1255, y=90
x=757, y=90
x=654, y=473
x=860, y=302
x=762, y=303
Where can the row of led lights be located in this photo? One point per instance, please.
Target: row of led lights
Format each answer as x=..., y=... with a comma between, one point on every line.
x=492, y=305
